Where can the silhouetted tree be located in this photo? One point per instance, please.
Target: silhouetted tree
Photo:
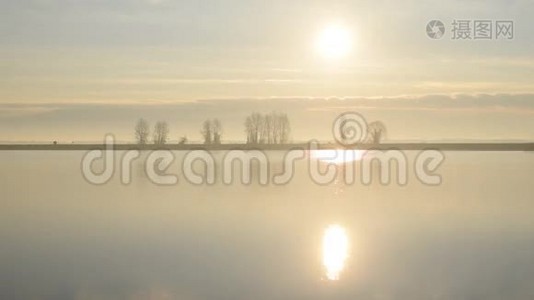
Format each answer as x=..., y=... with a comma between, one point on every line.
x=216, y=129
x=257, y=123
x=142, y=131
x=161, y=133
x=268, y=129
x=211, y=131
x=284, y=129
x=206, y=132
x=254, y=128
x=271, y=128
x=376, y=131
x=249, y=130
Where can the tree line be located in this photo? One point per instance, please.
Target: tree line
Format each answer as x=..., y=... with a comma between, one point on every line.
x=270, y=128
x=160, y=134
x=273, y=128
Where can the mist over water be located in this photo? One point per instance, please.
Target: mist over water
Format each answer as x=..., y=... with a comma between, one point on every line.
x=62, y=238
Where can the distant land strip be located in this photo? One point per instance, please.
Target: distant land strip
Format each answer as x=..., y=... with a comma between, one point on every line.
x=303, y=146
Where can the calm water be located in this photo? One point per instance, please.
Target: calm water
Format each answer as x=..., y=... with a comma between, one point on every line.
x=63, y=238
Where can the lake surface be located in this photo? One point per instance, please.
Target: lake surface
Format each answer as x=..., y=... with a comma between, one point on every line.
x=472, y=237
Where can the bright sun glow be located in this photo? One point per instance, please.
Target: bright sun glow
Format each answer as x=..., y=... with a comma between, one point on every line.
x=334, y=42
x=335, y=251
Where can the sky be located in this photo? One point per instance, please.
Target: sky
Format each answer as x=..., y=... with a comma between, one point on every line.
x=75, y=70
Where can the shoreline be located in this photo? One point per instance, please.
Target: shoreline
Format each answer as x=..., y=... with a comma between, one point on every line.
x=282, y=147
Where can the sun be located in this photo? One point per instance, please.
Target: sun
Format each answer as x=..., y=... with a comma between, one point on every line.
x=334, y=42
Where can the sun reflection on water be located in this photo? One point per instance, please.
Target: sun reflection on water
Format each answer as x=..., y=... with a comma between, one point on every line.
x=337, y=156
x=335, y=251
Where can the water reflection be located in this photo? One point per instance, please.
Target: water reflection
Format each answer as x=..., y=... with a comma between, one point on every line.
x=335, y=251
x=337, y=156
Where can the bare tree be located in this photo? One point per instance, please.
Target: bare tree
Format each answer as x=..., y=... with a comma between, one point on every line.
x=161, y=133
x=280, y=128
x=254, y=128
x=142, y=131
x=211, y=131
x=267, y=130
x=249, y=128
x=206, y=132
x=257, y=126
x=271, y=128
x=216, y=129
x=376, y=131
x=284, y=129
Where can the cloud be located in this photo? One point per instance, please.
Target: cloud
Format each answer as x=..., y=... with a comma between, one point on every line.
x=513, y=103
x=21, y=111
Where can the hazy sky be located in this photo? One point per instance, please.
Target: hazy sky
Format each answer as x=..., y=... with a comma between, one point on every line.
x=66, y=54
